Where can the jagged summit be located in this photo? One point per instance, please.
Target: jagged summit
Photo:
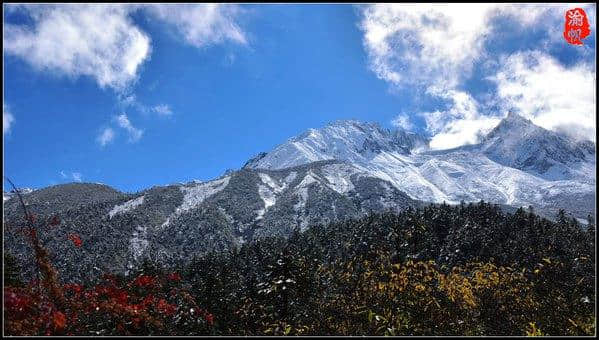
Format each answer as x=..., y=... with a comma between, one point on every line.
x=354, y=123
x=513, y=116
x=346, y=140
x=518, y=143
x=517, y=162
x=513, y=127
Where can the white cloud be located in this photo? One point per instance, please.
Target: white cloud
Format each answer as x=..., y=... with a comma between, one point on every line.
x=99, y=41
x=551, y=95
x=134, y=133
x=460, y=124
x=202, y=24
x=102, y=41
x=163, y=110
x=403, y=121
x=63, y=174
x=433, y=44
x=106, y=136
x=433, y=48
x=459, y=132
x=131, y=100
x=77, y=176
x=416, y=43
x=7, y=119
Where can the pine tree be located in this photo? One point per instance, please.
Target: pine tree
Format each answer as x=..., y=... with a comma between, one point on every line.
x=12, y=271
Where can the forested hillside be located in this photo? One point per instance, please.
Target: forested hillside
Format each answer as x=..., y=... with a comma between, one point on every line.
x=441, y=270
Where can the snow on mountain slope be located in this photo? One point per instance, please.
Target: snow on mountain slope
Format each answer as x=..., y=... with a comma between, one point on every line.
x=518, y=143
x=196, y=194
x=517, y=163
x=348, y=140
x=131, y=204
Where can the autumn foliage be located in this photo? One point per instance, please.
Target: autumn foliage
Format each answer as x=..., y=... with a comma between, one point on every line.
x=143, y=305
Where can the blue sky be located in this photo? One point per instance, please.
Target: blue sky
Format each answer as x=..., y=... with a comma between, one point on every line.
x=136, y=96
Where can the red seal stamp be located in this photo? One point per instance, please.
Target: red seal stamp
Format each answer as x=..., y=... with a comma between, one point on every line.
x=576, y=27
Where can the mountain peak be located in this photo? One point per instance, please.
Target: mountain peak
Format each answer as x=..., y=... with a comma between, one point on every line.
x=517, y=142
x=513, y=127
x=511, y=115
x=346, y=140
x=354, y=123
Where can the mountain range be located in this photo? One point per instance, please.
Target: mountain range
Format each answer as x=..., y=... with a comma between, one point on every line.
x=343, y=170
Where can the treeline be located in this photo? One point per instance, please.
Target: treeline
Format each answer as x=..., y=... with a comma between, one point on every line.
x=440, y=270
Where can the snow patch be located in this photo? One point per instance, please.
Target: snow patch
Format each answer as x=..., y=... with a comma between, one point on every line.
x=272, y=183
x=338, y=177
x=269, y=199
x=138, y=243
x=196, y=194
x=302, y=190
x=127, y=206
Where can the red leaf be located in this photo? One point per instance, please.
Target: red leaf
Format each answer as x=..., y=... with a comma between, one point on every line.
x=209, y=318
x=60, y=320
x=148, y=300
x=122, y=297
x=165, y=307
x=76, y=240
x=174, y=277
x=144, y=280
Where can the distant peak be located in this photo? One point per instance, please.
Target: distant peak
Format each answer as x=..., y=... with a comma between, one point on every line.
x=351, y=122
x=515, y=117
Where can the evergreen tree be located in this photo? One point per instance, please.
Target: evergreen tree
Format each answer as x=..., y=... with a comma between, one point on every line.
x=12, y=271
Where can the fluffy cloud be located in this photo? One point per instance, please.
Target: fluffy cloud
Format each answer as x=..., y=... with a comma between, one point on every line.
x=417, y=43
x=99, y=41
x=163, y=110
x=103, y=42
x=77, y=177
x=403, y=121
x=7, y=119
x=551, y=95
x=131, y=100
x=437, y=44
x=134, y=133
x=461, y=123
x=432, y=49
x=202, y=24
x=106, y=136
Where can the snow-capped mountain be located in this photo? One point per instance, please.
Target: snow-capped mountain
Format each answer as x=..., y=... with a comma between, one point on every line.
x=517, y=163
x=347, y=140
x=343, y=170
x=518, y=143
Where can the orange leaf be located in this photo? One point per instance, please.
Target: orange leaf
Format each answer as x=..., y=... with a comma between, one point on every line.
x=76, y=240
x=60, y=320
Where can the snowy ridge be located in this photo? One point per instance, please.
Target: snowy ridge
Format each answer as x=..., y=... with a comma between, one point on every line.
x=269, y=191
x=196, y=194
x=302, y=190
x=342, y=140
x=517, y=163
x=338, y=177
x=129, y=205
